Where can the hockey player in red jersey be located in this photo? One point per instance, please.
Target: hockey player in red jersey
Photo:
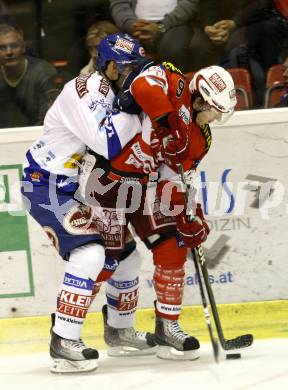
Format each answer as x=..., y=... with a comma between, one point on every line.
x=179, y=134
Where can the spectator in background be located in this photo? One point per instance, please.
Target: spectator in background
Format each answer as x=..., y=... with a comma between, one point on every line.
x=258, y=41
x=215, y=23
x=95, y=33
x=164, y=28
x=284, y=98
x=25, y=82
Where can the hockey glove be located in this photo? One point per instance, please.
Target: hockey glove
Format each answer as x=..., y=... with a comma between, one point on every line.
x=174, y=136
x=124, y=101
x=171, y=149
x=176, y=145
x=195, y=232
x=166, y=124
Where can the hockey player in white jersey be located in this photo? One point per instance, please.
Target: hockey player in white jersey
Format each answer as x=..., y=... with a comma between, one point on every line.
x=82, y=116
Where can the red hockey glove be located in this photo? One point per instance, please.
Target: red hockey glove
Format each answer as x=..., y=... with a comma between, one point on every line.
x=195, y=232
x=166, y=124
x=176, y=145
x=173, y=137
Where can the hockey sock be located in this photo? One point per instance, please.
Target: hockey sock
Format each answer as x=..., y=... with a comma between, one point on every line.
x=122, y=292
x=168, y=278
x=168, y=285
x=76, y=293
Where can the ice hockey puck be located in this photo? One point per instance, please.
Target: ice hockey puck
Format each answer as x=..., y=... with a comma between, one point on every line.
x=233, y=355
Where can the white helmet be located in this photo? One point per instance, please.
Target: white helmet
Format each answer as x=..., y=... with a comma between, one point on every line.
x=216, y=87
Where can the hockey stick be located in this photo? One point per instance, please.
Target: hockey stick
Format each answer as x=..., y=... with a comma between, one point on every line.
x=202, y=292
x=198, y=257
x=242, y=341
x=214, y=342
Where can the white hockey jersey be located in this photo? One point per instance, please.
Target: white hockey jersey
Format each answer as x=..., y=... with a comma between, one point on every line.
x=81, y=116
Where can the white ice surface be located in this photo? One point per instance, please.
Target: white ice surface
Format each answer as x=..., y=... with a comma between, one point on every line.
x=264, y=366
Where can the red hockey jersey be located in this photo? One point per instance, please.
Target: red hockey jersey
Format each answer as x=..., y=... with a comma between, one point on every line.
x=160, y=90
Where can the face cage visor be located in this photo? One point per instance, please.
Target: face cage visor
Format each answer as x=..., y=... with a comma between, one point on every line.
x=122, y=65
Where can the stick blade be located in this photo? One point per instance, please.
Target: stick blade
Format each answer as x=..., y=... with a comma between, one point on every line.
x=243, y=341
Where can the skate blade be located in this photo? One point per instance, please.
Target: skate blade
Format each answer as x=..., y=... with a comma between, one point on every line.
x=63, y=366
x=125, y=351
x=169, y=353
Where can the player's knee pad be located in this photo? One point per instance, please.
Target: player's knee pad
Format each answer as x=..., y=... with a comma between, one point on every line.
x=169, y=286
x=122, y=292
x=168, y=254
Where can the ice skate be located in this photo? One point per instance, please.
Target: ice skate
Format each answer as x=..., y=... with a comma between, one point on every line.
x=174, y=344
x=127, y=341
x=71, y=356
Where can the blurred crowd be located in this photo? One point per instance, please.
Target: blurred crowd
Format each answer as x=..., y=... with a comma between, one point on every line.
x=248, y=37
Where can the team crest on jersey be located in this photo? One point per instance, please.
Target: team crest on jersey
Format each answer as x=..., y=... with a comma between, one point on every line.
x=124, y=45
x=81, y=84
x=79, y=220
x=110, y=224
x=218, y=82
x=110, y=221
